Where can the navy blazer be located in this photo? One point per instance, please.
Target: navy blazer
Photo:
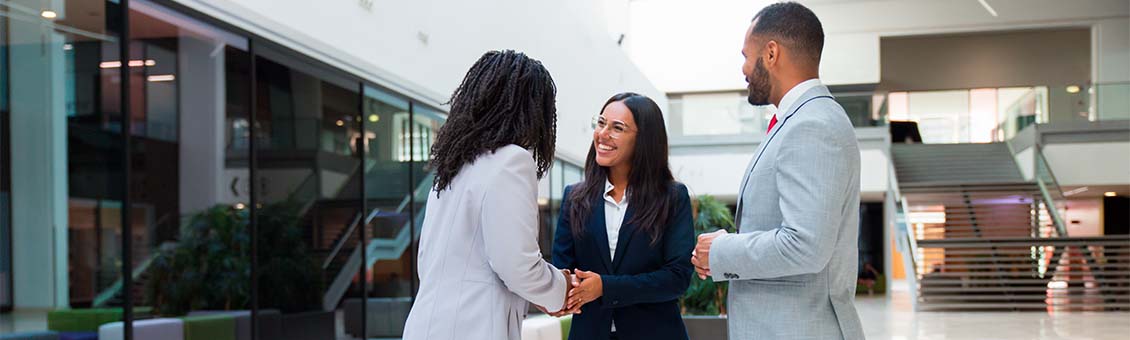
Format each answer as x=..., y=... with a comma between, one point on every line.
x=643, y=284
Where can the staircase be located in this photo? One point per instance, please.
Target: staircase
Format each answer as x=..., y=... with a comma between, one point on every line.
x=984, y=238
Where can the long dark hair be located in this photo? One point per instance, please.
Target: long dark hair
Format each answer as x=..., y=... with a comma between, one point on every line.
x=506, y=98
x=650, y=179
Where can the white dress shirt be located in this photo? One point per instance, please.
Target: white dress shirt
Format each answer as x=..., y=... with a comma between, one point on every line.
x=613, y=219
x=794, y=93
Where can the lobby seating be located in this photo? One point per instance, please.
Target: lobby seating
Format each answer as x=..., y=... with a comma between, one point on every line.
x=151, y=329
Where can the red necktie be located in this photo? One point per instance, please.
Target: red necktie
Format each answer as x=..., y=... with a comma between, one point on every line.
x=771, y=123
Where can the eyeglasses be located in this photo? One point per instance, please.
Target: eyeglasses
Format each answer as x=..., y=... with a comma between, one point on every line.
x=617, y=128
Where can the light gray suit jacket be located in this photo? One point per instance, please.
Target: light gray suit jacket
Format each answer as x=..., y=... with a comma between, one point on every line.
x=479, y=261
x=792, y=266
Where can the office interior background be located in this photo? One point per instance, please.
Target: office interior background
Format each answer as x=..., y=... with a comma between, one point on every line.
x=273, y=155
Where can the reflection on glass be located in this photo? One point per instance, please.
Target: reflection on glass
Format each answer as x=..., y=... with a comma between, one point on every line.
x=307, y=182
x=5, y=189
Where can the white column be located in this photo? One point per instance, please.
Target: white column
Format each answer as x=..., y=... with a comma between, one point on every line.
x=39, y=165
x=200, y=74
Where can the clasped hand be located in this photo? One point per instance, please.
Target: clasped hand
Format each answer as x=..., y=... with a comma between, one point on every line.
x=583, y=287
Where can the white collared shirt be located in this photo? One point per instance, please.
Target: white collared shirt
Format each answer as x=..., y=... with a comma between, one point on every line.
x=613, y=219
x=793, y=94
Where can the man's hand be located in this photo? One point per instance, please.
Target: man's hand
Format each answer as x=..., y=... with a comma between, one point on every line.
x=571, y=282
x=591, y=287
x=700, y=257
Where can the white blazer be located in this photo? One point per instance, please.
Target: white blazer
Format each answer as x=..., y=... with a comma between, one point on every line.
x=479, y=261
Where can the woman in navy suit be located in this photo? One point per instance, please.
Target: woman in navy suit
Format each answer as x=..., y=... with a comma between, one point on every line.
x=626, y=230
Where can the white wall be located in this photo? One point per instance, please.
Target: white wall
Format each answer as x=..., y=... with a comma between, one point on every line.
x=1089, y=163
x=694, y=45
x=424, y=47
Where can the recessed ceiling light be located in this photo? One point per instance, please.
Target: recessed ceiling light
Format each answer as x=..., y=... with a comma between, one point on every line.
x=162, y=77
x=1073, y=89
x=68, y=47
x=1076, y=191
x=49, y=14
x=1110, y=194
x=374, y=118
x=340, y=122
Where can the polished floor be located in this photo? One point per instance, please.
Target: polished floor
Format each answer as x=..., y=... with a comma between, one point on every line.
x=886, y=317
x=892, y=317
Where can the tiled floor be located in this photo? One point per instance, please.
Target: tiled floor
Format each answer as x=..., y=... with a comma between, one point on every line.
x=887, y=317
x=892, y=317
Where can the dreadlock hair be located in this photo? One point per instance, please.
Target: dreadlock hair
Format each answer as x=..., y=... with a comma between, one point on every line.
x=506, y=98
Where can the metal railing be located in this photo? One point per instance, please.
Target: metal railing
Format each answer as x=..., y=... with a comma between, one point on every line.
x=898, y=208
x=379, y=248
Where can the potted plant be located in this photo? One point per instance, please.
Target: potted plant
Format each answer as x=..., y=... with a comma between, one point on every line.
x=704, y=303
x=208, y=268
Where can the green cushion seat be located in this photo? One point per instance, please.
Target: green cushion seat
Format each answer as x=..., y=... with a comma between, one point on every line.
x=566, y=325
x=88, y=319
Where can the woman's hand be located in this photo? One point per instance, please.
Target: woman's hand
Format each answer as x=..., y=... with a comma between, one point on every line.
x=590, y=289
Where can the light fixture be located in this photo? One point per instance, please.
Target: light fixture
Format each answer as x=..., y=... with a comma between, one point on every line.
x=161, y=77
x=374, y=118
x=340, y=122
x=1076, y=191
x=1057, y=284
x=1073, y=89
x=132, y=63
x=240, y=206
x=985, y=4
x=1110, y=194
x=49, y=14
x=927, y=217
x=68, y=47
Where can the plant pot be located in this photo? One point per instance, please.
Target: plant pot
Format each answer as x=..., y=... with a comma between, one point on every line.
x=706, y=327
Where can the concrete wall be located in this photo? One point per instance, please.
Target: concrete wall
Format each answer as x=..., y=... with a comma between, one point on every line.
x=994, y=59
x=1090, y=163
x=686, y=48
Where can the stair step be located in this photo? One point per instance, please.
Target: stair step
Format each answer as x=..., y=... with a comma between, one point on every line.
x=948, y=281
x=1026, y=297
x=1010, y=289
x=1021, y=306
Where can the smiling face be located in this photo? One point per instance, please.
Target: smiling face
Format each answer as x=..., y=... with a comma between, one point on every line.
x=614, y=137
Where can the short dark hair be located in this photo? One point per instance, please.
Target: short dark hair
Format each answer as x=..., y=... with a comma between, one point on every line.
x=506, y=98
x=794, y=25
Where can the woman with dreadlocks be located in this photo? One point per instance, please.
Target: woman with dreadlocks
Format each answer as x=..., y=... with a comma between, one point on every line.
x=479, y=261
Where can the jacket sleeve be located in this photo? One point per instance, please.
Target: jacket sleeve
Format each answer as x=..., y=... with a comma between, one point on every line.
x=564, y=255
x=510, y=232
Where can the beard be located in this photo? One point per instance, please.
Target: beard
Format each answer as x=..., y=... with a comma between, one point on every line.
x=759, y=85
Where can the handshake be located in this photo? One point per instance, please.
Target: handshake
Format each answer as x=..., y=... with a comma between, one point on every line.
x=581, y=287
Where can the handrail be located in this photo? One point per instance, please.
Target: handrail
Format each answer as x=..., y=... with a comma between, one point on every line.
x=106, y=294
x=1042, y=164
x=109, y=293
x=900, y=209
x=345, y=238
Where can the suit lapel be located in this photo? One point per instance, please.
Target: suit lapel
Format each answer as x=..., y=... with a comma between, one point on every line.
x=813, y=93
x=625, y=236
x=600, y=234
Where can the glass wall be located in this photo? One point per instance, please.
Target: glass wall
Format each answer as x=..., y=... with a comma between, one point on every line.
x=702, y=116
x=973, y=115
x=5, y=180
x=256, y=176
